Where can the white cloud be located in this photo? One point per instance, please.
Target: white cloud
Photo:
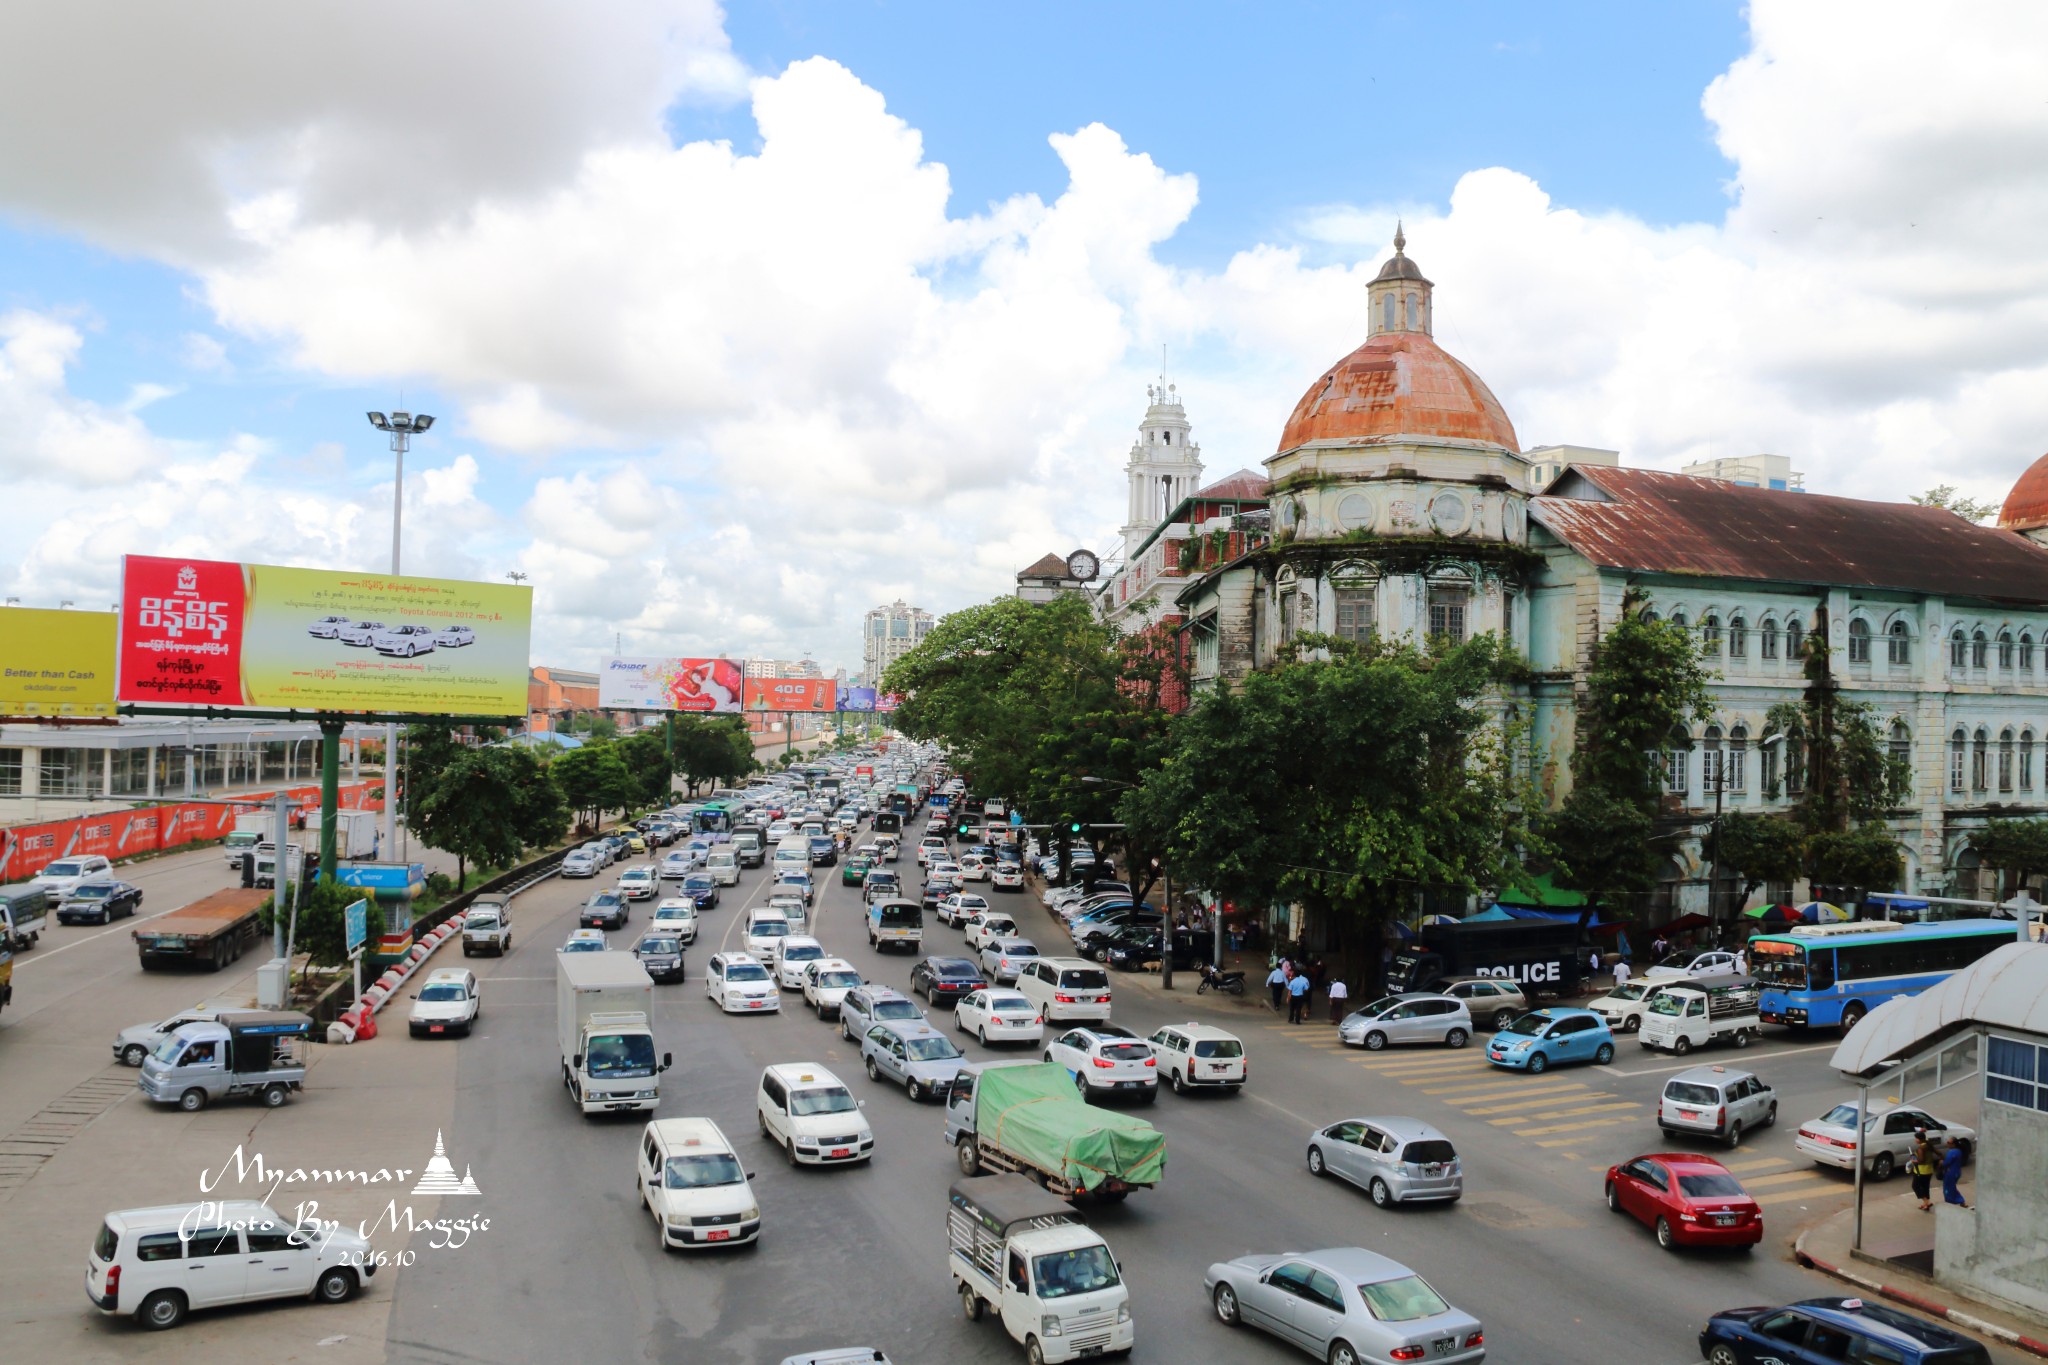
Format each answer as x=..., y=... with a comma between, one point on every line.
x=48, y=432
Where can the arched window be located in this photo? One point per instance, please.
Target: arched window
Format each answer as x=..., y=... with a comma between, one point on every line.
x=1677, y=777
x=2005, y=748
x=2026, y=651
x=1795, y=637
x=1413, y=317
x=1767, y=639
x=1980, y=760
x=1649, y=616
x=1980, y=649
x=1678, y=618
x=1767, y=761
x=1958, y=650
x=1901, y=742
x=1738, y=637
x=1387, y=313
x=1899, y=644
x=1736, y=765
x=1710, y=759
x=1957, y=744
x=2005, y=650
x=2026, y=760
x=1859, y=641
x=1710, y=634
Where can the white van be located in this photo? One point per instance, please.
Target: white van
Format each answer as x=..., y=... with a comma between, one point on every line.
x=809, y=1113
x=153, y=1263
x=792, y=854
x=723, y=863
x=1065, y=988
x=692, y=1182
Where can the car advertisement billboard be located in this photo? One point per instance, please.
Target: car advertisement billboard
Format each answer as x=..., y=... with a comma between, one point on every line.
x=791, y=694
x=857, y=699
x=710, y=686
x=210, y=633
x=56, y=663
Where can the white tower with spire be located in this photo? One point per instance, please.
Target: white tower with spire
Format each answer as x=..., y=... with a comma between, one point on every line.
x=1165, y=464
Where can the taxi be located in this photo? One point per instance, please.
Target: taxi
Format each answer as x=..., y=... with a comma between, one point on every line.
x=692, y=1182
x=809, y=1113
x=1541, y=1038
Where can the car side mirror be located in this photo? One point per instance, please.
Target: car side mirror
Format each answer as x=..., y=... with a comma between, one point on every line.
x=576, y=1060
x=668, y=1059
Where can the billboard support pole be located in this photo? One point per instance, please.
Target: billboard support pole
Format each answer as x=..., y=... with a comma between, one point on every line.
x=330, y=782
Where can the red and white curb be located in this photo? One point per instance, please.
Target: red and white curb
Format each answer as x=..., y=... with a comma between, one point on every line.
x=358, y=1021
x=1925, y=1305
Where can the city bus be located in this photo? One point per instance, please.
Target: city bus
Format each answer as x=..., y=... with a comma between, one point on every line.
x=713, y=817
x=1831, y=975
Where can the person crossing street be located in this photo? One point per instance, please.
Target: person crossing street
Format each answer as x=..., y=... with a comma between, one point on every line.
x=1297, y=999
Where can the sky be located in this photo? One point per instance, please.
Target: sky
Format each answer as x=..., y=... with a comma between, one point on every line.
x=737, y=322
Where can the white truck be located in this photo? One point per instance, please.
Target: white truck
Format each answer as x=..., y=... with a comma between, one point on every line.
x=1625, y=1006
x=1025, y=1255
x=604, y=1014
x=251, y=828
x=355, y=833
x=1685, y=1016
x=487, y=926
x=24, y=914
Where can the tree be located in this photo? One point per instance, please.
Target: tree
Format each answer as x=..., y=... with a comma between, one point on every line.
x=713, y=749
x=1603, y=846
x=594, y=780
x=2017, y=848
x=596, y=724
x=1944, y=495
x=1760, y=849
x=645, y=754
x=322, y=932
x=1864, y=857
x=489, y=805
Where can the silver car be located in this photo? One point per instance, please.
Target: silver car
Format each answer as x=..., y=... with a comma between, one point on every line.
x=1716, y=1102
x=865, y=1006
x=1494, y=1001
x=1411, y=1017
x=1004, y=957
x=1345, y=1306
x=918, y=1056
x=1395, y=1160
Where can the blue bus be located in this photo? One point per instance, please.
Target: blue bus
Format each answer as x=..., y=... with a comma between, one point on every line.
x=1831, y=975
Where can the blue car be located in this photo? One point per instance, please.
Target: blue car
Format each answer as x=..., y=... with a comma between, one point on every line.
x=702, y=889
x=1541, y=1038
x=1833, y=1329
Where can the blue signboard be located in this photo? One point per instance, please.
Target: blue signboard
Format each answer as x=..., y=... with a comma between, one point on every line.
x=856, y=698
x=357, y=918
x=1016, y=817
x=382, y=876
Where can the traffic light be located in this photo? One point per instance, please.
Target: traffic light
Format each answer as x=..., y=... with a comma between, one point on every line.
x=1074, y=828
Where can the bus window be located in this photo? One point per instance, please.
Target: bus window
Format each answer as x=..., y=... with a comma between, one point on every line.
x=1820, y=969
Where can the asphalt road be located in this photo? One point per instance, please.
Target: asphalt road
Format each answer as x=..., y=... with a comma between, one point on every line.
x=571, y=1267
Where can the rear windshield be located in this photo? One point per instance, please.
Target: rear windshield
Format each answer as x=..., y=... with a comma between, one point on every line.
x=802, y=952
x=1219, y=1047
x=1402, y=1300
x=1709, y=1185
x=1088, y=980
x=1429, y=1152
x=897, y=1009
x=1687, y=1092
x=107, y=1243
x=1126, y=1052
x=891, y=916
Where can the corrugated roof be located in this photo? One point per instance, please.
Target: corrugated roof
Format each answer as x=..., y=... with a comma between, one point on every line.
x=1653, y=522
x=2008, y=989
x=1243, y=484
x=1048, y=566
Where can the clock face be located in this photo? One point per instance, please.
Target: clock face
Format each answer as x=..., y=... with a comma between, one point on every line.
x=1083, y=566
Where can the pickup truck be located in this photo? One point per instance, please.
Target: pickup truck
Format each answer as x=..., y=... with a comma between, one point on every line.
x=1018, y=1252
x=243, y=1052
x=1025, y=1118
x=24, y=913
x=487, y=926
x=1625, y=1006
x=1690, y=1015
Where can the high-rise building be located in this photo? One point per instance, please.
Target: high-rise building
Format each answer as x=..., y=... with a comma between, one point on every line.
x=888, y=634
x=1547, y=462
x=1751, y=471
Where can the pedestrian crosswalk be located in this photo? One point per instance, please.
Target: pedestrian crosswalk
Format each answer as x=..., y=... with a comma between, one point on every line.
x=1570, y=1116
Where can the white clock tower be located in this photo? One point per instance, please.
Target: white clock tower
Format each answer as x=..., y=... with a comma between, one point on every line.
x=1165, y=464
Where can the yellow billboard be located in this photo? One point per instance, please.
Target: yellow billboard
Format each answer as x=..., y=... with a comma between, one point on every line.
x=56, y=663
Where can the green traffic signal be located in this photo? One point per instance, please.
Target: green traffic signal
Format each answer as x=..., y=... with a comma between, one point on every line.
x=1075, y=827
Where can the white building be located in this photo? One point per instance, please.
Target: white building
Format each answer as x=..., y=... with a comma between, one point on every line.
x=1547, y=462
x=888, y=634
x=1165, y=465
x=1750, y=471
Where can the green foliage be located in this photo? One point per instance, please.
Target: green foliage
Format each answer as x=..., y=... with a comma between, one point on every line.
x=714, y=750
x=487, y=805
x=322, y=932
x=1944, y=495
x=2017, y=848
x=593, y=780
x=645, y=754
x=595, y=724
x=1761, y=848
x=1866, y=857
x=1646, y=681
x=1603, y=846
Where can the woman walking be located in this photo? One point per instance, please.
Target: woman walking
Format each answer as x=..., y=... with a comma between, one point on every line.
x=1952, y=1171
x=1925, y=1158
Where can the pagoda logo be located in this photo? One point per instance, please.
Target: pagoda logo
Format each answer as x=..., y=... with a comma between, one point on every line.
x=440, y=1177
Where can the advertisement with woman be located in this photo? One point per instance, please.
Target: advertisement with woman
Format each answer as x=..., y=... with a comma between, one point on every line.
x=706, y=686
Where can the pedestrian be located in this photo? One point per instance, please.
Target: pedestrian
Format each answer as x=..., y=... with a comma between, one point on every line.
x=1277, y=983
x=1592, y=962
x=1660, y=947
x=1742, y=962
x=1921, y=1168
x=1339, y=993
x=1297, y=1002
x=1622, y=972
x=1951, y=1172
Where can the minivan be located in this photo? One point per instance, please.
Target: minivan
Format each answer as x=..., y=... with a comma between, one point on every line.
x=1065, y=988
x=1717, y=1102
x=723, y=863
x=151, y=1263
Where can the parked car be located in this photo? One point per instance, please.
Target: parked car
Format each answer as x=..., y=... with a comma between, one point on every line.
x=358, y=634
x=1689, y=1200
x=1834, y=1328
x=918, y=1056
x=1887, y=1140
x=1541, y=1038
x=1105, y=1059
x=1344, y=1305
x=1716, y=1102
x=945, y=980
x=403, y=641
x=1408, y=1017
x=1395, y=1160
x=327, y=627
x=993, y=1015
x=98, y=902
x=454, y=637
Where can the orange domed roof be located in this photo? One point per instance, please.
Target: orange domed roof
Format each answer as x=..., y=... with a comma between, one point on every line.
x=2026, y=507
x=1399, y=384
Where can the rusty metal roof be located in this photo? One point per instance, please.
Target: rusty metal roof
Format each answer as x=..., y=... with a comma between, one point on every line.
x=1653, y=522
x=1398, y=384
x=1234, y=487
x=2026, y=507
x=1048, y=566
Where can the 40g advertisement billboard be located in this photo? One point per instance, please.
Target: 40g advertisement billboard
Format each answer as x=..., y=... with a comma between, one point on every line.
x=791, y=694
x=707, y=686
x=203, y=632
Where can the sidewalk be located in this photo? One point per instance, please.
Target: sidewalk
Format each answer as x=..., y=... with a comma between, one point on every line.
x=1897, y=1260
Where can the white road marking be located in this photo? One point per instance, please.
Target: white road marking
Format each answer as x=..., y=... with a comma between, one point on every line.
x=1687, y=1066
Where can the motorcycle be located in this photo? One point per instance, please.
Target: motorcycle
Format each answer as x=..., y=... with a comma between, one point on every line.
x=1232, y=982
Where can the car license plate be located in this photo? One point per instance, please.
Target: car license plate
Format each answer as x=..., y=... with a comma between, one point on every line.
x=1688, y=1113
x=1128, y=1085
x=1725, y=1219
x=1443, y=1345
x=1494, y=1056
x=755, y=1004
x=435, y=1028
x=842, y=1151
x=718, y=1235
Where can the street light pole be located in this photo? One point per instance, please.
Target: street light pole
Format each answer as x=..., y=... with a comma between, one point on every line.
x=401, y=427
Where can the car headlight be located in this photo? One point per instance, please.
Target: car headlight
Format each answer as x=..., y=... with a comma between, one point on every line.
x=749, y=1215
x=1123, y=1312
x=676, y=1220
x=1049, y=1325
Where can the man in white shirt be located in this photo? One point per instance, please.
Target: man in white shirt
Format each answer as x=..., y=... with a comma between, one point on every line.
x=1340, y=995
x=1621, y=972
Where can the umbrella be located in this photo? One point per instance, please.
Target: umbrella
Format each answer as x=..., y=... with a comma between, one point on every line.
x=1440, y=919
x=1820, y=912
x=1774, y=914
x=1684, y=922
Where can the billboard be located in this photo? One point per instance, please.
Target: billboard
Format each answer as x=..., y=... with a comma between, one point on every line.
x=209, y=633
x=888, y=701
x=56, y=663
x=703, y=685
x=791, y=694
x=857, y=699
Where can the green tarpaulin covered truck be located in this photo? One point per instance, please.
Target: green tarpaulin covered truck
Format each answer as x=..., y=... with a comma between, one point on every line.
x=1025, y=1117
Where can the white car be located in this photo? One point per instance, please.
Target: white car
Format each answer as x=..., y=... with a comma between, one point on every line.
x=790, y=905
x=826, y=982
x=765, y=928
x=692, y=1182
x=989, y=926
x=1007, y=877
x=792, y=954
x=953, y=909
x=585, y=941
x=358, y=633
x=812, y=1116
x=327, y=627
x=132, y=1045
x=638, y=884
x=447, y=1003
x=403, y=641
x=1887, y=1139
x=929, y=848
x=1106, y=1060
x=998, y=1016
x=64, y=876
x=976, y=867
x=454, y=637
x=1066, y=990
x=1200, y=1057
x=739, y=984
x=676, y=915
x=1005, y=957
x=135, y=1266
x=1691, y=964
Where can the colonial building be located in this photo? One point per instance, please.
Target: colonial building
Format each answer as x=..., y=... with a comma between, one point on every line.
x=1401, y=506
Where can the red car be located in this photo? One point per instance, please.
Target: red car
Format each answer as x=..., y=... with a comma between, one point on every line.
x=1690, y=1200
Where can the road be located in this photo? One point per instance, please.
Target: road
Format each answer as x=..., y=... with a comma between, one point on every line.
x=569, y=1266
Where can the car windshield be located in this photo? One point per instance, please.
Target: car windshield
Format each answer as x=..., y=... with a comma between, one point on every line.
x=802, y=952
x=629, y=1054
x=1709, y=1185
x=832, y=1099
x=606, y=899
x=583, y=945
x=957, y=970
x=1080, y=1271
x=701, y=1172
x=63, y=870
x=1531, y=1023
x=698, y=882
x=770, y=928
x=1125, y=1052
x=746, y=971
x=1219, y=1047
x=168, y=1048
x=838, y=980
x=1843, y=1114
x=1402, y=1300
x=92, y=891
x=446, y=991
x=931, y=1049
x=1429, y=1152
x=1668, y=1004
x=1632, y=990
x=1686, y=1092
x=659, y=945
x=897, y=1009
